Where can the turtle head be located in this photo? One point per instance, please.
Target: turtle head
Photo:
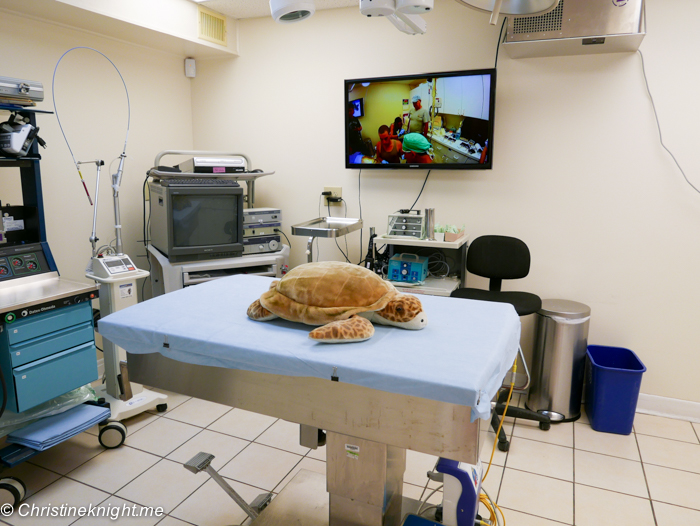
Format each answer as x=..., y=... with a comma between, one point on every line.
x=403, y=311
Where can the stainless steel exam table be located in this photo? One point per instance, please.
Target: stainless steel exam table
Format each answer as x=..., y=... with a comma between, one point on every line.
x=421, y=390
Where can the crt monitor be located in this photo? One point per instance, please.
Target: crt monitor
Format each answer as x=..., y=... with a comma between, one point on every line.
x=196, y=223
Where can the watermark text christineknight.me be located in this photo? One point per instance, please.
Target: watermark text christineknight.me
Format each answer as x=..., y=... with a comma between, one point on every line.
x=66, y=510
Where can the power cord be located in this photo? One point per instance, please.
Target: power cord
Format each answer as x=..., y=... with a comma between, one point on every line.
x=146, y=239
x=500, y=38
x=658, y=125
x=421, y=190
x=285, y=236
x=425, y=501
x=345, y=236
x=143, y=195
x=493, y=508
x=336, y=200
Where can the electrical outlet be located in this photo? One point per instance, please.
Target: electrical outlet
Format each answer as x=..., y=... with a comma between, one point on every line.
x=336, y=191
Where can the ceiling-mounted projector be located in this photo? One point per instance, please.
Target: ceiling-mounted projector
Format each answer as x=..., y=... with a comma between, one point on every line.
x=286, y=11
x=401, y=13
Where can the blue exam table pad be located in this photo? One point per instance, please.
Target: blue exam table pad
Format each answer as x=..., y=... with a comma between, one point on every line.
x=461, y=357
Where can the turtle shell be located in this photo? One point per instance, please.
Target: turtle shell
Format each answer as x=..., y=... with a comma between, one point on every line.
x=319, y=292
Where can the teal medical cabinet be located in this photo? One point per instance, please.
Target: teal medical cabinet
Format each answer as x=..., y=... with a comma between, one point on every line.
x=47, y=355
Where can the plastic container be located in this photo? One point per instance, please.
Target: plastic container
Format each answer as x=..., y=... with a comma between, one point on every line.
x=613, y=379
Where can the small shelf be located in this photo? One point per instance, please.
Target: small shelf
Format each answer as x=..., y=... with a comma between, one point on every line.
x=240, y=176
x=327, y=227
x=22, y=109
x=410, y=241
x=17, y=162
x=431, y=286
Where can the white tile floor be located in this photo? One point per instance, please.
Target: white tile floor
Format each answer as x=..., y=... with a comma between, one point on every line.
x=569, y=475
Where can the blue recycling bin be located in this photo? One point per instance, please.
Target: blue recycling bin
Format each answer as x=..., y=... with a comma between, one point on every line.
x=613, y=378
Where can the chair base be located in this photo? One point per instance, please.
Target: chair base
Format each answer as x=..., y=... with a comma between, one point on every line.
x=514, y=412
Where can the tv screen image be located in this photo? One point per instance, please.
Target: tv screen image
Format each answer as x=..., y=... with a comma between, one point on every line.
x=358, y=107
x=427, y=121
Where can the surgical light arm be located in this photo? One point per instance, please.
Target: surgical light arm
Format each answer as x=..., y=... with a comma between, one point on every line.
x=409, y=24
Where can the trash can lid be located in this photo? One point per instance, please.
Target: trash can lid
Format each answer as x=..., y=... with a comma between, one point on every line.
x=565, y=308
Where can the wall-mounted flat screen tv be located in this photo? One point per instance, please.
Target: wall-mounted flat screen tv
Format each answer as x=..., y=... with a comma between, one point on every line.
x=428, y=121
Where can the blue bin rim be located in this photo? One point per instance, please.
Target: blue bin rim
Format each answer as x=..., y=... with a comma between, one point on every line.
x=642, y=368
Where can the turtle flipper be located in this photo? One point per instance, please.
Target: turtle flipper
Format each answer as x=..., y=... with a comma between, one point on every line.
x=354, y=329
x=259, y=313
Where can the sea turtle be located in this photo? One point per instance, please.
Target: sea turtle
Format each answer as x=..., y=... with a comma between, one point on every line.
x=342, y=297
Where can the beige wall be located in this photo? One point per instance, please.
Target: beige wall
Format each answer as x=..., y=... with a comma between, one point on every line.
x=92, y=105
x=578, y=171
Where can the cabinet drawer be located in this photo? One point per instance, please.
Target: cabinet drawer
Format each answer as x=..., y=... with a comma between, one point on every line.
x=50, y=377
x=40, y=324
x=43, y=346
x=452, y=156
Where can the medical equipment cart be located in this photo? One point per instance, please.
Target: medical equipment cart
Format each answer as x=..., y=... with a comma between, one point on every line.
x=47, y=345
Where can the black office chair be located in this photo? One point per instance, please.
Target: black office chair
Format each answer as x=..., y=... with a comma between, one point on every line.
x=499, y=258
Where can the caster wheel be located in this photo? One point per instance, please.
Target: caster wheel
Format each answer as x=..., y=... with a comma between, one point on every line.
x=544, y=426
x=112, y=435
x=504, y=446
x=162, y=408
x=12, y=490
x=321, y=438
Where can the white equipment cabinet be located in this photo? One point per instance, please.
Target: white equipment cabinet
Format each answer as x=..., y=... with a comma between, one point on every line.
x=168, y=277
x=117, y=277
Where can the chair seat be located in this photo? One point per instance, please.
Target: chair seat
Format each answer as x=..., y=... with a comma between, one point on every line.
x=524, y=302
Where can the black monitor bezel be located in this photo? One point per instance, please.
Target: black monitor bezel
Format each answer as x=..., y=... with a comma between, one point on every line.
x=488, y=165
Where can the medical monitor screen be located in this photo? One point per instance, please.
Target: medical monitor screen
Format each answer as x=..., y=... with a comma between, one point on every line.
x=429, y=121
x=204, y=220
x=358, y=107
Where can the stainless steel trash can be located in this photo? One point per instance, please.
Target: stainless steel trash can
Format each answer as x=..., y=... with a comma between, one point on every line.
x=559, y=359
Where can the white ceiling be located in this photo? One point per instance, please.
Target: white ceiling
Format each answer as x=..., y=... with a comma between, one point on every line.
x=260, y=8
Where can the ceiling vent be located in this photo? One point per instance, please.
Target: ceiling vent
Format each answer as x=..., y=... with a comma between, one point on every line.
x=212, y=26
x=578, y=27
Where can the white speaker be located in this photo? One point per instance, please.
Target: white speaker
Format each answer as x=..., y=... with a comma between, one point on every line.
x=414, y=7
x=287, y=11
x=377, y=7
x=190, y=68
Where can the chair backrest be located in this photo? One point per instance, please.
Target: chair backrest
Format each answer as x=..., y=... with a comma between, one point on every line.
x=498, y=258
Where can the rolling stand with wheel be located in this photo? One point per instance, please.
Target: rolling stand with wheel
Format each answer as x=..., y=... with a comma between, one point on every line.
x=12, y=489
x=116, y=275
